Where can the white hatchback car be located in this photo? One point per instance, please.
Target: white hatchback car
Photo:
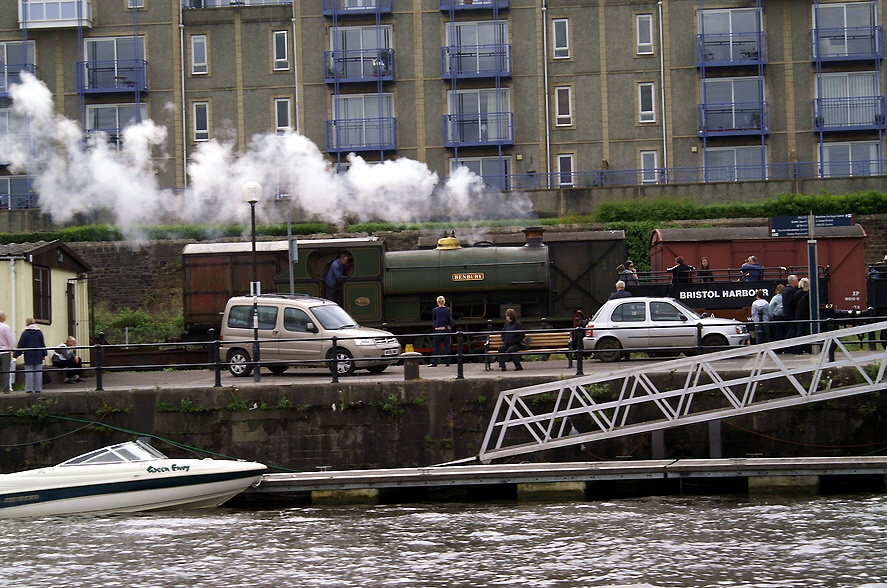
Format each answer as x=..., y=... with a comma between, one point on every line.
x=659, y=326
x=299, y=329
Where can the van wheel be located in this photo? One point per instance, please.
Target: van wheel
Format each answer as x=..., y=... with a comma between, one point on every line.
x=344, y=363
x=277, y=369
x=239, y=363
x=377, y=369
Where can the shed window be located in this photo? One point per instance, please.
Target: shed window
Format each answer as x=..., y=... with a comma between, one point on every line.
x=42, y=295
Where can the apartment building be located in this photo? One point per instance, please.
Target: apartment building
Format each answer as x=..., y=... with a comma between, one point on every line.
x=526, y=93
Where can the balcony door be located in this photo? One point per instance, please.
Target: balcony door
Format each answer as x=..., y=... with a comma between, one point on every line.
x=111, y=61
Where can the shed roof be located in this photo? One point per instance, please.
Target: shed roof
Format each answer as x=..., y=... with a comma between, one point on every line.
x=36, y=250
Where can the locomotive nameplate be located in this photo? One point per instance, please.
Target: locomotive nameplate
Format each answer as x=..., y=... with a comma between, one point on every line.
x=475, y=277
x=361, y=301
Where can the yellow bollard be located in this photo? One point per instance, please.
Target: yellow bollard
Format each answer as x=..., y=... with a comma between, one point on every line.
x=408, y=348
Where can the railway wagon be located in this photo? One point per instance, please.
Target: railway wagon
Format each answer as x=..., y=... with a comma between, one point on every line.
x=548, y=278
x=841, y=268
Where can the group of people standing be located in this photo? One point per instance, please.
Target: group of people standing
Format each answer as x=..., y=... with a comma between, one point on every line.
x=31, y=347
x=785, y=315
x=442, y=322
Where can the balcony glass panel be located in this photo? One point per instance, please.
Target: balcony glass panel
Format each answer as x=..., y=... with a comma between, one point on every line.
x=473, y=4
x=849, y=113
x=729, y=37
x=227, y=3
x=733, y=118
x=46, y=14
x=361, y=134
x=360, y=65
x=125, y=75
x=478, y=129
x=355, y=7
x=848, y=44
x=475, y=61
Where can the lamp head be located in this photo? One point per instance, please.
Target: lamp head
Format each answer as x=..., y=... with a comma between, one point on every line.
x=251, y=192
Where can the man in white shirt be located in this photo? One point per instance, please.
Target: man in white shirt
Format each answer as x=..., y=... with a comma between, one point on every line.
x=7, y=344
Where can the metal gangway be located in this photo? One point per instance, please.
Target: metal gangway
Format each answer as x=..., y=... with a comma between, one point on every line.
x=842, y=362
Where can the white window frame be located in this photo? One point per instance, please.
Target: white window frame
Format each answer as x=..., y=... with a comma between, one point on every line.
x=566, y=170
x=857, y=168
x=199, y=68
x=563, y=106
x=9, y=71
x=649, y=166
x=130, y=4
x=481, y=166
x=560, y=38
x=200, y=109
x=280, y=52
x=736, y=171
x=283, y=106
x=67, y=14
x=644, y=34
x=647, y=115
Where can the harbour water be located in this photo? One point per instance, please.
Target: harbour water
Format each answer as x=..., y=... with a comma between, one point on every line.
x=665, y=542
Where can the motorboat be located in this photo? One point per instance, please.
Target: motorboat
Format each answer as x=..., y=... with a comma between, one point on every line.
x=127, y=477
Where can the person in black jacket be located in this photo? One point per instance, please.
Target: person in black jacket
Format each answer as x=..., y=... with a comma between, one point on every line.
x=680, y=271
x=32, y=345
x=512, y=337
x=789, y=304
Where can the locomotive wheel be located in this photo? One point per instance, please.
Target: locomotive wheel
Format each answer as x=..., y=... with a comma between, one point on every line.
x=239, y=363
x=377, y=369
x=277, y=369
x=608, y=350
x=344, y=363
x=713, y=343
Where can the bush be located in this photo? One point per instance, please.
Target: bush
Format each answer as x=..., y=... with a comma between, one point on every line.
x=134, y=326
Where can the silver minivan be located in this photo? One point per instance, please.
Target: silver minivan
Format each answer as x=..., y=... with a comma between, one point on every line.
x=299, y=330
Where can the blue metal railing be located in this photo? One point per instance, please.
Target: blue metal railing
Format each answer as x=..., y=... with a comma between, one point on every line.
x=361, y=134
x=475, y=61
x=478, y=129
x=355, y=7
x=227, y=3
x=358, y=65
x=112, y=76
x=11, y=73
x=473, y=4
x=731, y=49
x=733, y=118
x=849, y=113
x=847, y=44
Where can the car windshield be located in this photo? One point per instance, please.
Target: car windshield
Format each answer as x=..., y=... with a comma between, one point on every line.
x=689, y=311
x=333, y=317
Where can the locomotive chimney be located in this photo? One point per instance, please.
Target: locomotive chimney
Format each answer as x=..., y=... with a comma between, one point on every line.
x=534, y=236
x=449, y=242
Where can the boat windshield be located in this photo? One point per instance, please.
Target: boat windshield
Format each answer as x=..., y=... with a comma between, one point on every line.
x=131, y=451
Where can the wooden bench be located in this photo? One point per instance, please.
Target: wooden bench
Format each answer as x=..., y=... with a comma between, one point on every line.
x=538, y=343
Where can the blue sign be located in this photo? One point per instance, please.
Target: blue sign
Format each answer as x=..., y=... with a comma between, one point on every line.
x=797, y=226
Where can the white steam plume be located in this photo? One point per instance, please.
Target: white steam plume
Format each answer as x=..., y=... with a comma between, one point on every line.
x=75, y=176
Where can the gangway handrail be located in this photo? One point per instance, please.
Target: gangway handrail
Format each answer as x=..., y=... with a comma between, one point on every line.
x=572, y=412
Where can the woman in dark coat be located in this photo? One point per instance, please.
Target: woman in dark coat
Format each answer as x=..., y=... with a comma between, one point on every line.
x=33, y=347
x=512, y=336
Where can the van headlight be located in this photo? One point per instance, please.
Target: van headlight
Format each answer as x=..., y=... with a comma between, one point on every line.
x=363, y=342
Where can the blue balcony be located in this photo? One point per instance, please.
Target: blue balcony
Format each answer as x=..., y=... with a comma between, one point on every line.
x=355, y=7
x=18, y=201
x=459, y=5
x=227, y=3
x=112, y=77
x=359, y=65
x=847, y=44
x=864, y=113
x=361, y=134
x=475, y=61
x=487, y=129
x=733, y=119
x=731, y=49
x=113, y=136
x=12, y=74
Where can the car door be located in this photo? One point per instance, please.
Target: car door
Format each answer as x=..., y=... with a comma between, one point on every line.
x=670, y=327
x=269, y=331
x=296, y=342
x=630, y=321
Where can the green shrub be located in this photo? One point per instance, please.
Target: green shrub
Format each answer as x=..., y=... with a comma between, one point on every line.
x=143, y=326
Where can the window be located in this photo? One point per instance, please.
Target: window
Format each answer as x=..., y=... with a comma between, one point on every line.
x=646, y=102
x=563, y=104
x=282, y=115
x=42, y=294
x=113, y=118
x=480, y=115
x=15, y=57
x=281, y=51
x=360, y=52
x=649, y=167
x=201, y=121
x=565, y=170
x=199, y=61
x=729, y=164
x=135, y=3
x=495, y=171
x=730, y=35
x=858, y=158
x=733, y=103
x=629, y=312
x=848, y=99
x=114, y=62
x=58, y=11
x=13, y=130
x=845, y=29
x=644, y=25
x=479, y=47
x=15, y=193
x=363, y=120
x=560, y=32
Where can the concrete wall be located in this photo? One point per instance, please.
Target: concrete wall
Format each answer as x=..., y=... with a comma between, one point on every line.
x=407, y=424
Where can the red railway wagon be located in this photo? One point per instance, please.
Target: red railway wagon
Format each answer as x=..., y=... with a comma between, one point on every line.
x=840, y=256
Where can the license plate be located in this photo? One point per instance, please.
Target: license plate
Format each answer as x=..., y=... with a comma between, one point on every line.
x=391, y=352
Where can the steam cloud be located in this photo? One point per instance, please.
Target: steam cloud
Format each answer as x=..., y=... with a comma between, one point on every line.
x=74, y=176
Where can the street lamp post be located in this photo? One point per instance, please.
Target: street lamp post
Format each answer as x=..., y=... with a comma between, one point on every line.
x=251, y=192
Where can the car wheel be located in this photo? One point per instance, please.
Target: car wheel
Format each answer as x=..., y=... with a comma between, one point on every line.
x=608, y=350
x=713, y=342
x=239, y=363
x=277, y=369
x=377, y=369
x=344, y=363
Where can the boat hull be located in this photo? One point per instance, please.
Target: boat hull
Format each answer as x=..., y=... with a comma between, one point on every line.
x=136, y=487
